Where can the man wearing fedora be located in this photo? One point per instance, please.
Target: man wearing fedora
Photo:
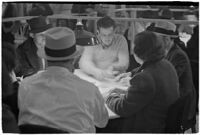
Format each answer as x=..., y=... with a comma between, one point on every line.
x=28, y=61
x=178, y=58
x=57, y=98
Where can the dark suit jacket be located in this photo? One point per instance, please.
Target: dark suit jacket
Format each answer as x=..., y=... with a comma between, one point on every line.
x=12, y=100
x=144, y=107
x=28, y=60
x=193, y=54
x=9, y=123
x=180, y=61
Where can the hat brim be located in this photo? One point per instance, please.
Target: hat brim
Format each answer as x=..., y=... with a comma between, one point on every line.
x=42, y=29
x=41, y=53
x=161, y=34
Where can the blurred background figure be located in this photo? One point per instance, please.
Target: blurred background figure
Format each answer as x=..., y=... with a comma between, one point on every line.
x=130, y=33
x=61, y=9
x=189, y=34
x=9, y=122
x=121, y=25
x=10, y=28
x=192, y=50
x=84, y=10
x=37, y=9
x=10, y=85
x=28, y=60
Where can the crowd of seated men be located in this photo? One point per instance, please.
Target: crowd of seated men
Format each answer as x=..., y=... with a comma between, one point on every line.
x=39, y=89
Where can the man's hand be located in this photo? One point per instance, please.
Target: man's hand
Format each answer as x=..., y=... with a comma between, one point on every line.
x=125, y=81
x=122, y=75
x=106, y=94
x=13, y=76
x=118, y=91
x=103, y=74
x=112, y=92
x=110, y=72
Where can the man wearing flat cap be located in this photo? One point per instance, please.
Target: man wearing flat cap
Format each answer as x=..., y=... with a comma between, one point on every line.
x=178, y=58
x=57, y=98
x=28, y=61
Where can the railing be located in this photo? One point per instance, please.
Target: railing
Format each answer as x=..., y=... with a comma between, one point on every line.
x=150, y=9
x=96, y=18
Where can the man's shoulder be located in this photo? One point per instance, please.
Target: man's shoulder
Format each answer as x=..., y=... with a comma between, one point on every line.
x=26, y=44
x=119, y=40
x=92, y=49
x=85, y=84
x=119, y=37
x=32, y=78
x=143, y=79
x=179, y=52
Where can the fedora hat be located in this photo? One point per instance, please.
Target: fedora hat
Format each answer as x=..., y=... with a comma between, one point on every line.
x=60, y=44
x=165, y=28
x=38, y=24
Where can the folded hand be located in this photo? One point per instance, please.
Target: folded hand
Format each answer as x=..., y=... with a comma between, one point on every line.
x=122, y=75
x=118, y=91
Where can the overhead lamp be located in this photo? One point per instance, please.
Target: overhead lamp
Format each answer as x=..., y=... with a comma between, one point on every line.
x=83, y=37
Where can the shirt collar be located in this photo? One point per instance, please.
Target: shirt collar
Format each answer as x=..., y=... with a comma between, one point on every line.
x=57, y=68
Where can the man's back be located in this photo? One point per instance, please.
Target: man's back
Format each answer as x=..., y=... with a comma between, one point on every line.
x=59, y=99
x=145, y=106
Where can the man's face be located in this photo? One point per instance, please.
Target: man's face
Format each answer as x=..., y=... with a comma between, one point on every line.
x=167, y=42
x=39, y=40
x=106, y=35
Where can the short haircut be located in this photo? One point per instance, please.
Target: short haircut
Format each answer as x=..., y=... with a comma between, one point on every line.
x=148, y=46
x=105, y=22
x=9, y=56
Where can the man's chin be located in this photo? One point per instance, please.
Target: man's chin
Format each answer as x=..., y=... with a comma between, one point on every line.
x=107, y=45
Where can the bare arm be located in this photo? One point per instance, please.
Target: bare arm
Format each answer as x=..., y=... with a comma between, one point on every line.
x=87, y=64
x=123, y=57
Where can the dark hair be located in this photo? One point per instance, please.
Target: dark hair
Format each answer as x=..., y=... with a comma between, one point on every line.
x=105, y=22
x=148, y=46
x=9, y=56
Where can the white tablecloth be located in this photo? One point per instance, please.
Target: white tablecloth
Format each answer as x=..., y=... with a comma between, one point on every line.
x=104, y=86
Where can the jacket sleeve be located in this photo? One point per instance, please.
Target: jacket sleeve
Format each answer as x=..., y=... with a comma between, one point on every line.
x=21, y=62
x=180, y=63
x=140, y=93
